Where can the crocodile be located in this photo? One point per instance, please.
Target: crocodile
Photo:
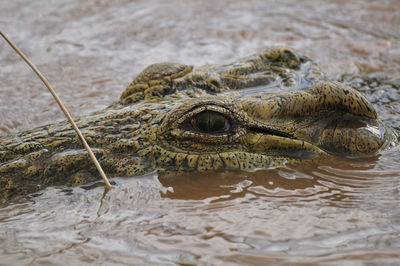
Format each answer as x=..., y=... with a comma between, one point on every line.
x=259, y=112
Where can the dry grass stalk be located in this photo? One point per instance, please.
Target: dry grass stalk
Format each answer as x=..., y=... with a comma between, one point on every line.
x=65, y=111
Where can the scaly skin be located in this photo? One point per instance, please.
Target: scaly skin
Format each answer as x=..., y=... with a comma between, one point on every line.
x=274, y=107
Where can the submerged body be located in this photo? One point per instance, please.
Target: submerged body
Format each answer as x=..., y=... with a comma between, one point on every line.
x=258, y=112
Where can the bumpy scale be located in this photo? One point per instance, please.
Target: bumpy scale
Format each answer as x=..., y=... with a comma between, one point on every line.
x=262, y=111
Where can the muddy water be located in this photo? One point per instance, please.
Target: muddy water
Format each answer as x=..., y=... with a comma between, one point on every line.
x=343, y=211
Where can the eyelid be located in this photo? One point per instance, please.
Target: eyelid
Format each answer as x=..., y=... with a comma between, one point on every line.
x=210, y=138
x=218, y=109
x=179, y=126
x=215, y=108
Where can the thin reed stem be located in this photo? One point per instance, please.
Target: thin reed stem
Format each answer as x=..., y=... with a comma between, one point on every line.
x=65, y=111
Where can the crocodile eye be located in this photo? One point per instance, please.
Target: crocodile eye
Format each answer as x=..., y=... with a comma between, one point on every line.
x=210, y=122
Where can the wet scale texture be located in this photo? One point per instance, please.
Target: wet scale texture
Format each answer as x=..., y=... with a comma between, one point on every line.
x=336, y=212
x=176, y=119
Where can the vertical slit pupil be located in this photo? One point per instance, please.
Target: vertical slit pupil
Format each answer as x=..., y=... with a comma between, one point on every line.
x=210, y=122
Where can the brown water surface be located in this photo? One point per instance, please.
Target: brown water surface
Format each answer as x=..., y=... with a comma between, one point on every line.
x=340, y=212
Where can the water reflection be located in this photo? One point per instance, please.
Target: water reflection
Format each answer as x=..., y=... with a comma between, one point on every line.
x=326, y=183
x=234, y=184
x=301, y=213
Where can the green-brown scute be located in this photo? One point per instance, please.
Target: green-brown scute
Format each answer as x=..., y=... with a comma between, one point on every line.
x=261, y=111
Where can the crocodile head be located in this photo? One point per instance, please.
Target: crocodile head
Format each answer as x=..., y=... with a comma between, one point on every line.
x=261, y=111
